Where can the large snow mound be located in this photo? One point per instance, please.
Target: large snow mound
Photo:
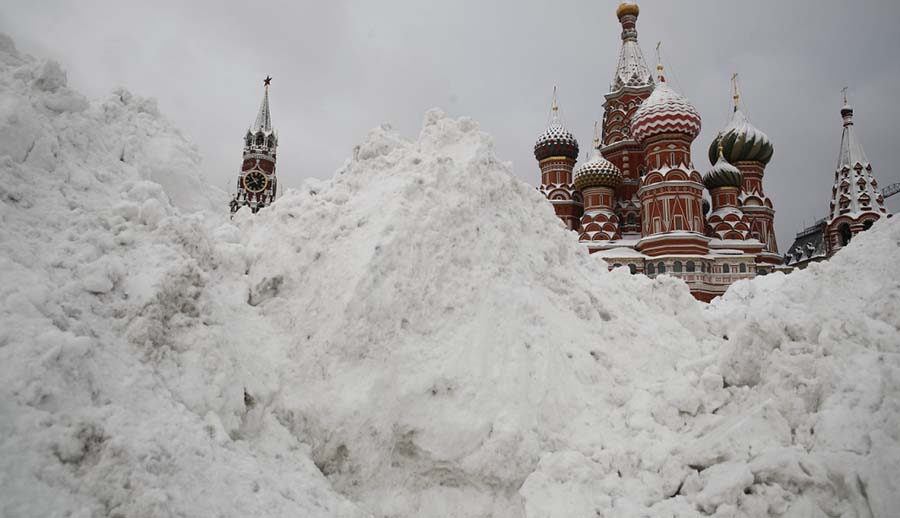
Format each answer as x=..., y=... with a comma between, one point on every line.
x=122, y=393
x=418, y=335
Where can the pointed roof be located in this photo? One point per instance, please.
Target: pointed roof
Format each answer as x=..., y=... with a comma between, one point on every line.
x=855, y=189
x=632, y=69
x=264, y=117
x=851, y=149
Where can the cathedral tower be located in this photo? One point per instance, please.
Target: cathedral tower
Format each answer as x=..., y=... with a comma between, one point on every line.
x=597, y=179
x=257, y=184
x=556, y=151
x=856, y=202
x=631, y=85
x=750, y=150
x=671, y=191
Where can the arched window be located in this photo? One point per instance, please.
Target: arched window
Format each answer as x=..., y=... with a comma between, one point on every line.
x=631, y=219
x=726, y=268
x=661, y=266
x=676, y=267
x=844, y=229
x=743, y=268
x=690, y=266
x=260, y=139
x=867, y=224
x=632, y=268
x=651, y=270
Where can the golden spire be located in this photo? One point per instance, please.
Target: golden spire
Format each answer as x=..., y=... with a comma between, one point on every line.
x=659, y=65
x=844, y=93
x=555, y=106
x=736, y=96
x=596, y=136
x=721, y=149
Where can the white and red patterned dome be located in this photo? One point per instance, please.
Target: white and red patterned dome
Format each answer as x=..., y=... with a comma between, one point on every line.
x=665, y=111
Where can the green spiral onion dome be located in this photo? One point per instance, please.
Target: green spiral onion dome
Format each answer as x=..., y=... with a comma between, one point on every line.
x=741, y=142
x=723, y=174
x=597, y=172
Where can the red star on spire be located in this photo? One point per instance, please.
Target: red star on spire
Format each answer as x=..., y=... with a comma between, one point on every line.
x=267, y=80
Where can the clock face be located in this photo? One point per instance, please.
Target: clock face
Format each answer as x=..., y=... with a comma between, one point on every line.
x=255, y=181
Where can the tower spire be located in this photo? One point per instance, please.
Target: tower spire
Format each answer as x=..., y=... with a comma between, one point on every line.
x=659, y=65
x=632, y=69
x=264, y=117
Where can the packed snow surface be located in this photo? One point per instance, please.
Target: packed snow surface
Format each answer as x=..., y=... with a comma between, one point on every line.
x=416, y=336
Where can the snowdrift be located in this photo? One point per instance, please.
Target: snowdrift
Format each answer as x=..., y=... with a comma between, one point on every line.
x=416, y=336
x=121, y=394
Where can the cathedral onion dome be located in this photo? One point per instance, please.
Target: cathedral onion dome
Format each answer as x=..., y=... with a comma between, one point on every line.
x=597, y=172
x=626, y=9
x=556, y=141
x=665, y=111
x=741, y=142
x=723, y=174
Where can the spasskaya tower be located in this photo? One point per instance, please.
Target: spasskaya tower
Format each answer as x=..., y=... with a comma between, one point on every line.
x=257, y=184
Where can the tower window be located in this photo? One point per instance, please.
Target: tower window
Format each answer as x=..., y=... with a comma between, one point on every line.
x=661, y=266
x=676, y=267
x=690, y=266
x=743, y=268
x=651, y=270
x=726, y=268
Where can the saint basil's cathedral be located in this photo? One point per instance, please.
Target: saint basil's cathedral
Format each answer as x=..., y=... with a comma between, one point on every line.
x=638, y=201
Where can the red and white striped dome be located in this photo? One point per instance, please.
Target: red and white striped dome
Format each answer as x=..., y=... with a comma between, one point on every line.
x=665, y=111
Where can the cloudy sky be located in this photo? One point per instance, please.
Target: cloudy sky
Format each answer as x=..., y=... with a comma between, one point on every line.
x=342, y=67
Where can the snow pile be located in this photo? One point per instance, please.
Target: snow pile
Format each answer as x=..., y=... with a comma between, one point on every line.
x=446, y=334
x=820, y=350
x=418, y=334
x=122, y=392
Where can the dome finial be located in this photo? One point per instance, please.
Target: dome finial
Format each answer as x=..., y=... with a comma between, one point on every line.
x=659, y=65
x=596, y=137
x=735, y=97
x=721, y=149
x=555, y=106
x=846, y=109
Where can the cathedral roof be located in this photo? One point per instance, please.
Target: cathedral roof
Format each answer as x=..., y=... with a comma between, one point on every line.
x=597, y=172
x=556, y=140
x=631, y=70
x=665, y=111
x=723, y=174
x=741, y=141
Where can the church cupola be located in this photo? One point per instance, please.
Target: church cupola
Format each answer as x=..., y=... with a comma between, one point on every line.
x=744, y=146
x=257, y=184
x=671, y=192
x=556, y=151
x=597, y=180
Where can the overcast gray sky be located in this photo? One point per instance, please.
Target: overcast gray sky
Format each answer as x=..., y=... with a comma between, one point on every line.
x=342, y=67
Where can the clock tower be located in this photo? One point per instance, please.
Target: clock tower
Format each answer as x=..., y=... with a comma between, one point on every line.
x=257, y=184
